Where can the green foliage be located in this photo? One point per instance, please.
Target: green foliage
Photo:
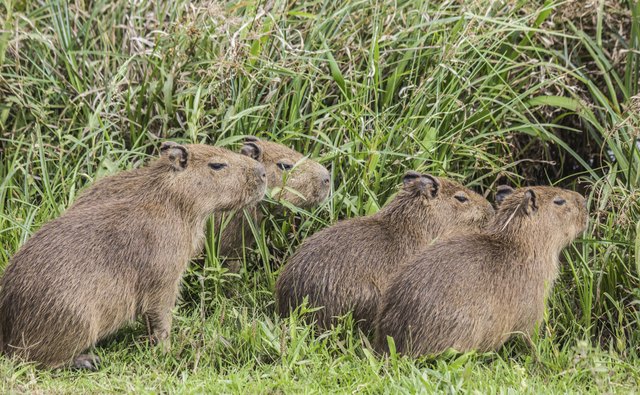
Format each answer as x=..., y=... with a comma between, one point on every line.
x=485, y=92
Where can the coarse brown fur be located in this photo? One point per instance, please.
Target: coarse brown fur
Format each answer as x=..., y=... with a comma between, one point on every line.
x=291, y=177
x=343, y=268
x=474, y=290
x=112, y=258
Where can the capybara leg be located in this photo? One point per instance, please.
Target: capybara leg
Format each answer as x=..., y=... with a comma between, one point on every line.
x=160, y=327
x=86, y=361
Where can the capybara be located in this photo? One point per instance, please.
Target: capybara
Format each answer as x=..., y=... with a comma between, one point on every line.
x=473, y=290
x=295, y=178
x=343, y=268
x=116, y=257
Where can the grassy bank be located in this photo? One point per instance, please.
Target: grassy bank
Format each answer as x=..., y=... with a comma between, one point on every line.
x=485, y=92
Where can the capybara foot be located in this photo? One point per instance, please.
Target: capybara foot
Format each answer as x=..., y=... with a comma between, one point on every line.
x=162, y=343
x=87, y=361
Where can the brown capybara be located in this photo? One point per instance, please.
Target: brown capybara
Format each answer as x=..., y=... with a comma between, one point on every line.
x=87, y=273
x=343, y=268
x=291, y=177
x=472, y=291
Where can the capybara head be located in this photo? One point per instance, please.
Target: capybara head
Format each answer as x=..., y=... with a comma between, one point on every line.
x=543, y=214
x=295, y=178
x=451, y=205
x=212, y=178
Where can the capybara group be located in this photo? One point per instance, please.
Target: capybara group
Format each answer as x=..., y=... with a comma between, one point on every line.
x=119, y=254
x=345, y=267
x=473, y=290
x=292, y=177
x=436, y=268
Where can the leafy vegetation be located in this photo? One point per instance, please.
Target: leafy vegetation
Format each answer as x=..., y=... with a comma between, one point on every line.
x=485, y=92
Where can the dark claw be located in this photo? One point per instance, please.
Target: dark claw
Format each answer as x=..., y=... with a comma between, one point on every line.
x=87, y=361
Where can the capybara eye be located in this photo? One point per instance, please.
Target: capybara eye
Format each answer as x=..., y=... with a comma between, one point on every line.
x=217, y=166
x=559, y=201
x=461, y=198
x=284, y=166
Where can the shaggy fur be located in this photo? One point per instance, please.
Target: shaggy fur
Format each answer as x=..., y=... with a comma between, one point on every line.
x=118, y=253
x=345, y=267
x=474, y=290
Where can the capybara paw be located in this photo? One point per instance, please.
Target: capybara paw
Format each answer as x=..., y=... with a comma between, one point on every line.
x=87, y=361
x=161, y=341
x=163, y=345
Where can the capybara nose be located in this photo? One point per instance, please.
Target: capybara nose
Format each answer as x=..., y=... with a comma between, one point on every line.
x=581, y=202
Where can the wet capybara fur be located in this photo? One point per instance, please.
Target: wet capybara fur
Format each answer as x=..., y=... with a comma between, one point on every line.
x=472, y=291
x=292, y=177
x=343, y=268
x=110, y=259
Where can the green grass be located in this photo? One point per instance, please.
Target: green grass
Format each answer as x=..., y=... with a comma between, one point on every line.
x=485, y=92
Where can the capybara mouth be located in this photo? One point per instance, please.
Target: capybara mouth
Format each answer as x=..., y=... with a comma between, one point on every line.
x=260, y=192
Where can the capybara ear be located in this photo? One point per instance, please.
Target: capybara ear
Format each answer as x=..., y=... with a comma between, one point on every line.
x=251, y=139
x=502, y=192
x=176, y=154
x=424, y=183
x=429, y=179
x=409, y=177
x=252, y=150
x=528, y=204
x=431, y=184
